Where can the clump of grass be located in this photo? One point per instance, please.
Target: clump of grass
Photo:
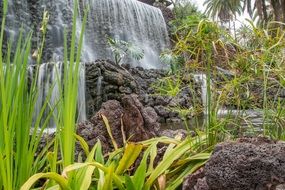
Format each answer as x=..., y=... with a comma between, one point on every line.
x=18, y=144
x=116, y=171
x=255, y=62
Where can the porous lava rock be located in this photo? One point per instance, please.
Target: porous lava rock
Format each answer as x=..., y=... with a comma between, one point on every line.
x=129, y=117
x=196, y=181
x=106, y=80
x=247, y=164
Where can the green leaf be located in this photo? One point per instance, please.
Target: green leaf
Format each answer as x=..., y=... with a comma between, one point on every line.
x=167, y=162
x=84, y=176
x=189, y=169
x=83, y=144
x=131, y=153
x=106, y=122
x=108, y=183
x=129, y=183
x=140, y=174
x=62, y=182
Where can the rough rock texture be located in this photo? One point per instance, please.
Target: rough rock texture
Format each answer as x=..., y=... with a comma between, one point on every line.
x=165, y=105
x=139, y=123
x=249, y=163
x=107, y=81
x=196, y=181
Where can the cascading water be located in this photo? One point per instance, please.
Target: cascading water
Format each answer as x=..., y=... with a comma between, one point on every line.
x=128, y=20
x=49, y=84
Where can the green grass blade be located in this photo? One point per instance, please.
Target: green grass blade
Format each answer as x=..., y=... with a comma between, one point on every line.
x=131, y=153
x=63, y=183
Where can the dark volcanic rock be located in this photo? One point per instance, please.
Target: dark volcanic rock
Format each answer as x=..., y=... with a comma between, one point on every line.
x=106, y=81
x=249, y=163
x=196, y=181
x=139, y=123
x=95, y=128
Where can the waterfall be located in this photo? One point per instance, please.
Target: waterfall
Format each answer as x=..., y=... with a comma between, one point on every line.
x=129, y=20
x=49, y=84
x=18, y=19
x=132, y=21
x=81, y=99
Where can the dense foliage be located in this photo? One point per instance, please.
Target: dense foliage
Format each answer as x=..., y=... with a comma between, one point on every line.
x=240, y=73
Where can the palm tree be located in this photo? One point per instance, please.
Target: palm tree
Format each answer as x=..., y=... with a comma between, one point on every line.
x=265, y=10
x=259, y=10
x=224, y=10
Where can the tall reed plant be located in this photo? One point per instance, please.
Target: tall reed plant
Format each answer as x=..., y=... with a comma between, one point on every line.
x=69, y=92
x=18, y=143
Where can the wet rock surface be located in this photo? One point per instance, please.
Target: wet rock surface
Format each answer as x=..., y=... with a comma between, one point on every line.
x=247, y=164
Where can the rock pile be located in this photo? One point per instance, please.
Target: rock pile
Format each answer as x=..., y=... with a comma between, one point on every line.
x=107, y=81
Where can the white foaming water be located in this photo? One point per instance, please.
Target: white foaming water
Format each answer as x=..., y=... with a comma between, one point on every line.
x=128, y=20
x=49, y=84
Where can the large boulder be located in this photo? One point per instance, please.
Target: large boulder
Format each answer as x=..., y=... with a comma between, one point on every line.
x=247, y=164
x=196, y=181
x=138, y=123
